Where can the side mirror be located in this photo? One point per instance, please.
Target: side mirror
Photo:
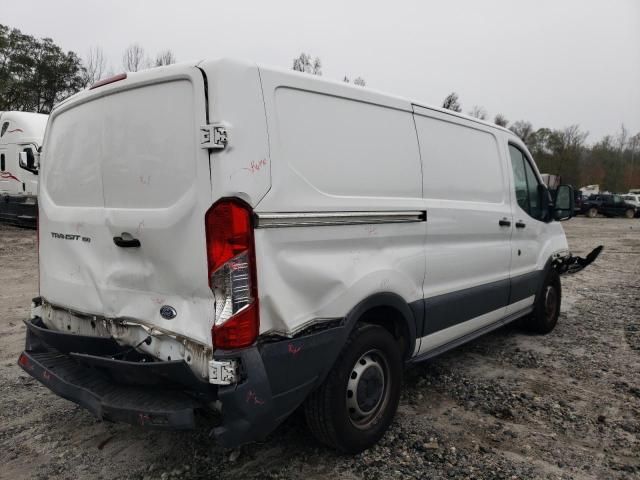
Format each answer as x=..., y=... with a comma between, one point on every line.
x=563, y=205
x=27, y=161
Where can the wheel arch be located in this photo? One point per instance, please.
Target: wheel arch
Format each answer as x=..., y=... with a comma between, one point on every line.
x=390, y=311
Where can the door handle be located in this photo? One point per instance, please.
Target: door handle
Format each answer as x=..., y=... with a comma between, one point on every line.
x=128, y=243
x=504, y=223
x=520, y=224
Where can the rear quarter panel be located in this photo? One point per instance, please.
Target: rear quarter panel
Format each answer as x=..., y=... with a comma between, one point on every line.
x=336, y=148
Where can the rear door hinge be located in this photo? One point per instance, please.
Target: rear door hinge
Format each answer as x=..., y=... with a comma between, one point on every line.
x=214, y=136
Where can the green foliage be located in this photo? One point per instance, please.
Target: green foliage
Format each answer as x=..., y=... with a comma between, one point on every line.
x=35, y=74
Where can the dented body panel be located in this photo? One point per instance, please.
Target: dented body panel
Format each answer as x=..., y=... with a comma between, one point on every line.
x=149, y=181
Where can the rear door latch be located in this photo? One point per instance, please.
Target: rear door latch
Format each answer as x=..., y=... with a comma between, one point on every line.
x=214, y=136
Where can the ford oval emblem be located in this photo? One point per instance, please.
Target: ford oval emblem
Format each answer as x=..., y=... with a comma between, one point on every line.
x=168, y=312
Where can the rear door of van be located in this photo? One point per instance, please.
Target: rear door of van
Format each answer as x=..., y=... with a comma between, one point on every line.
x=124, y=190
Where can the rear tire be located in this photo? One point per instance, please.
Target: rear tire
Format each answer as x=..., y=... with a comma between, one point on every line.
x=355, y=405
x=546, y=309
x=592, y=213
x=629, y=213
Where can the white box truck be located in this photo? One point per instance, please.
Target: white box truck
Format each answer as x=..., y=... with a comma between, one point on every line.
x=250, y=240
x=21, y=135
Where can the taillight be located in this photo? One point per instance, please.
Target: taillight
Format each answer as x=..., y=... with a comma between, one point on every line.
x=232, y=274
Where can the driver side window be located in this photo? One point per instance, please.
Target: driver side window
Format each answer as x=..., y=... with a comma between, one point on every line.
x=526, y=184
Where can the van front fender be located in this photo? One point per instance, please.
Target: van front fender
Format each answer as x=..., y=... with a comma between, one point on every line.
x=573, y=264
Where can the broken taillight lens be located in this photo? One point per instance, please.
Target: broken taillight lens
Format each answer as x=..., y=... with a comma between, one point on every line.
x=232, y=274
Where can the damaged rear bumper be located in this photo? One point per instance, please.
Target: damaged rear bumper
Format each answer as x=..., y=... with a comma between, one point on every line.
x=119, y=384
x=105, y=399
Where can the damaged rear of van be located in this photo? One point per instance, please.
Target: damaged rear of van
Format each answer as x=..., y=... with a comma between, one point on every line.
x=242, y=241
x=141, y=251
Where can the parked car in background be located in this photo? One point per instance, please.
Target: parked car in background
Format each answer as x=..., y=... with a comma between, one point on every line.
x=632, y=198
x=589, y=190
x=608, y=205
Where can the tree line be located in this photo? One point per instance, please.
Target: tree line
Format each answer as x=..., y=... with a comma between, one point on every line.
x=613, y=162
x=306, y=64
x=35, y=73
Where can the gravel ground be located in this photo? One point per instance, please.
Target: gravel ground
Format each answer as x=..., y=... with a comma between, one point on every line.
x=506, y=406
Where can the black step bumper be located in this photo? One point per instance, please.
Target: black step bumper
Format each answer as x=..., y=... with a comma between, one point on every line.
x=105, y=399
x=112, y=382
x=277, y=376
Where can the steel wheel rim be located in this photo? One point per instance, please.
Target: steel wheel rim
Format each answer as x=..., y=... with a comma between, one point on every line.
x=368, y=392
x=550, y=302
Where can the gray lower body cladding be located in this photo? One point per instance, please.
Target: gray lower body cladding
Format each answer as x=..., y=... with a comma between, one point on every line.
x=449, y=309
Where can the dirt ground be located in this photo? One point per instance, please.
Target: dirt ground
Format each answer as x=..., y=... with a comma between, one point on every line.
x=509, y=405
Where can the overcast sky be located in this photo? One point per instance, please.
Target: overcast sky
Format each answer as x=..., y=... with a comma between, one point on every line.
x=552, y=62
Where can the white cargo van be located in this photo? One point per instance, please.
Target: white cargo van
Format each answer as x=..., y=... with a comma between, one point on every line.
x=247, y=240
x=21, y=135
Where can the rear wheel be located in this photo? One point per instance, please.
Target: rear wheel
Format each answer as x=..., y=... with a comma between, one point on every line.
x=358, y=400
x=592, y=212
x=546, y=309
x=629, y=213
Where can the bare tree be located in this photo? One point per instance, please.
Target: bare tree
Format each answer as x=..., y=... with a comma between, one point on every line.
x=345, y=79
x=134, y=58
x=360, y=82
x=634, y=146
x=165, y=57
x=304, y=63
x=317, y=67
x=622, y=139
x=573, y=137
x=522, y=129
x=501, y=120
x=451, y=102
x=94, y=65
x=478, y=112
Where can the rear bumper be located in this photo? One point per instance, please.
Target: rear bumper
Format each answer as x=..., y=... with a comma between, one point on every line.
x=105, y=399
x=276, y=376
x=86, y=370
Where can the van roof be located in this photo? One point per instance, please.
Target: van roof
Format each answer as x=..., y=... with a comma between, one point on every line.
x=234, y=64
x=382, y=94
